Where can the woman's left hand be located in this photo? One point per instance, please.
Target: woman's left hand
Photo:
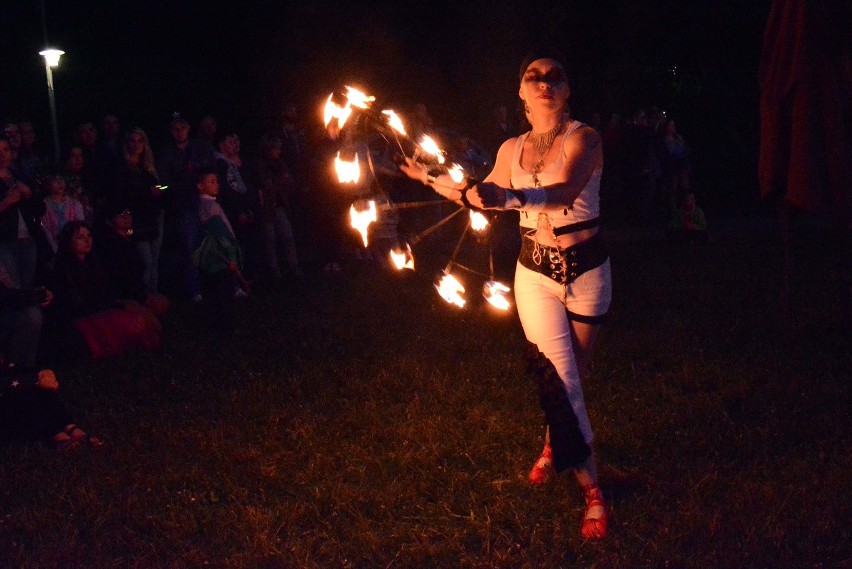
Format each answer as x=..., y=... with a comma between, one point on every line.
x=490, y=195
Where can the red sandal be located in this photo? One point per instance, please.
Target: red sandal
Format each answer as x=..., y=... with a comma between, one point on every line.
x=594, y=527
x=542, y=471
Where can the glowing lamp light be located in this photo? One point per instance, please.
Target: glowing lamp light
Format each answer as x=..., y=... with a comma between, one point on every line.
x=495, y=293
x=478, y=222
x=51, y=56
x=456, y=172
x=402, y=258
x=450, y=290
x=429, y=146
x=395, y=122
x=357, y=98
x=347, y=172
x=361, y=219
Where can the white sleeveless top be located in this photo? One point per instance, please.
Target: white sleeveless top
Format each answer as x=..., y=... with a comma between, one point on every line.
x=587, y=204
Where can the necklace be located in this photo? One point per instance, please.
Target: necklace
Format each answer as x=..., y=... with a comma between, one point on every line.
x=541, y=143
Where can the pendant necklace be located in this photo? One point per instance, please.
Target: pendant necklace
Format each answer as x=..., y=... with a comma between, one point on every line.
x=542, y=142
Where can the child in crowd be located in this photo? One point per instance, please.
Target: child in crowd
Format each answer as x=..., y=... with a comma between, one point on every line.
x=219, y=258
x=60, y=208
x=689, y=225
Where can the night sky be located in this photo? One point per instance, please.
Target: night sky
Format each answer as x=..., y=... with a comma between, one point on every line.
x=242, y=61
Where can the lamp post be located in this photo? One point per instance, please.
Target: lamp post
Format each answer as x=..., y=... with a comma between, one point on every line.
x=51, y=60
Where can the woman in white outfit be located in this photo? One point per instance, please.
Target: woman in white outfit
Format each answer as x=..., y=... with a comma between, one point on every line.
x=562, y=281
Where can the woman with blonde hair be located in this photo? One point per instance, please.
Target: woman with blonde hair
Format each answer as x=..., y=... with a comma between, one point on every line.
x=141, y=189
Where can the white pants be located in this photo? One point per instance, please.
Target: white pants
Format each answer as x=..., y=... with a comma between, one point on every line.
x=542, y=304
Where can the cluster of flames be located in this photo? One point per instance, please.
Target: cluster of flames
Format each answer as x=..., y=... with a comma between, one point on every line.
x=365, y=212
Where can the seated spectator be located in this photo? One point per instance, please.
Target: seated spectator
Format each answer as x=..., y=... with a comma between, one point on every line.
x=219, y=258
x=119, y=255
x=689, y=225
x=21, y=320
x=271, y=176
x=87, y=302
x=31, y=411
x=60, y=208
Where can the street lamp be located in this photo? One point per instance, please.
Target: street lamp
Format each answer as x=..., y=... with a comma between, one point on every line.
x=51, y=59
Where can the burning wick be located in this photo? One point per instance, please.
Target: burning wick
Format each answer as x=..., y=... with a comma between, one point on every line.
x=358, y=99
x=347, y=172
x=334, y=111
x=429, y=146
x=362, y=219
x=402, y=257
x=478, y=222
x=495, y=293
x=456, y=173
x=450, y=290
x=395, y=122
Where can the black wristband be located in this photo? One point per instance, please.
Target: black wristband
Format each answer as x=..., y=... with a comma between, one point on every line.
x=520, y=196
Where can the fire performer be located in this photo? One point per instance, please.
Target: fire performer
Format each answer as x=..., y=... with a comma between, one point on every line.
x=563, y=289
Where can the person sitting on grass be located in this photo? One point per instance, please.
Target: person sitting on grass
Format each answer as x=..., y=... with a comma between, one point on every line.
x=689, y=225
x=86, y=301
x=31, y=410
x=219, y=258
x=119, y=255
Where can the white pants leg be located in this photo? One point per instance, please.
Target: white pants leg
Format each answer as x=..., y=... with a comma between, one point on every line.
x=542, y=304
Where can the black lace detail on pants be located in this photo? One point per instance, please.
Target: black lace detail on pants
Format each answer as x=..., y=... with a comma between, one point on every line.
x=566, y=440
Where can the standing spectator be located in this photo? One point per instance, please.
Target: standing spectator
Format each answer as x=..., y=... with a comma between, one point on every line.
x=219, y=258
x=141, y=191
x=107, y=161
x=21, y=319
x=30, y=163
x=640, y=167
x=207, y=128
x=20, y=222
x=86, y=137
x=176, y=163
x=272, y=178
x=240, y=200
x=78, y=182
x=674, y=165
x=293, y=140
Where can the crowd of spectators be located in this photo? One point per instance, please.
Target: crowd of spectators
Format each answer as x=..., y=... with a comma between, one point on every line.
x=97, y=247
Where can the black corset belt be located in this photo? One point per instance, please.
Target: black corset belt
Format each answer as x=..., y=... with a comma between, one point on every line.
x=563, y=266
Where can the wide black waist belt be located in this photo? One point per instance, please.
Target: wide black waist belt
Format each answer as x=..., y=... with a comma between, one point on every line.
x=563, y=266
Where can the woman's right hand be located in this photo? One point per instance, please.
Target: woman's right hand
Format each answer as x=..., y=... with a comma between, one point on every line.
x=414, y=170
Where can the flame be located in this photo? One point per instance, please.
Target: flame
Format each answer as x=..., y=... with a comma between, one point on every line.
x=334, y=111
x=402, y=257
x=456, y=172
x=478, y=222
x=357, y=98
x=450, y=290
x=495, y=293
x=395, y=122
x=347, y=172
x=429, y=146
x=362, y=219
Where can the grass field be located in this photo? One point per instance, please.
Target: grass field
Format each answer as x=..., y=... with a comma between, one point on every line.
x=362, y=422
